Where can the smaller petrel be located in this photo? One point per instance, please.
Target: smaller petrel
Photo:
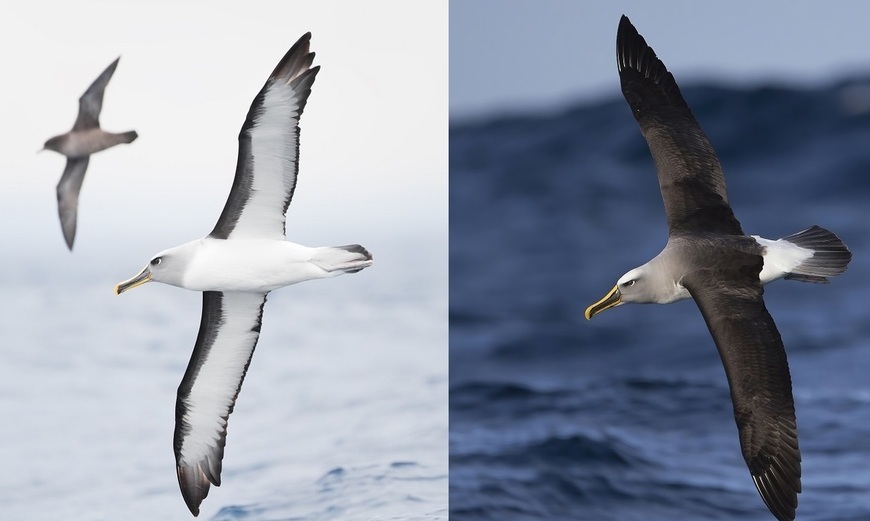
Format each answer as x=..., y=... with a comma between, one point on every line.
x=85, y=138
x=708, y=258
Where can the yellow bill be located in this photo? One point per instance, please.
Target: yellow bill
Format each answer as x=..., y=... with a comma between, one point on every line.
x=610, y=300
x=143, y=277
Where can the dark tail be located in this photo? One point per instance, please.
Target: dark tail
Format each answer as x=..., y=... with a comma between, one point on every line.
x=830, y=256
x=346, y=259
x=356, y=248
x=129, y=137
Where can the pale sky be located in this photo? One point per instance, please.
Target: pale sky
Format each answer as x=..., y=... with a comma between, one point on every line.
x=374, y=132
x=515, y=55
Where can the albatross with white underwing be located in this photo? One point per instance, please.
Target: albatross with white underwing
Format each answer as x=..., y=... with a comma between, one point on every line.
x=85, y=138
x=708, y=258
x=236, y=266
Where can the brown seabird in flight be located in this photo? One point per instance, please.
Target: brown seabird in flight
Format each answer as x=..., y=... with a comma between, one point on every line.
x=85, y=138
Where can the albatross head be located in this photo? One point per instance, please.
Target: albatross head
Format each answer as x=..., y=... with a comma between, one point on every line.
x=167, y=267
x=634, y=286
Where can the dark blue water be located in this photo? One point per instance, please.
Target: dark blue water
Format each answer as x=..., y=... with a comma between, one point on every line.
x=628, y=417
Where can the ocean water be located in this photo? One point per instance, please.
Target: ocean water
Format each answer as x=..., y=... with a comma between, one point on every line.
x=628, y=417
x=343, y=413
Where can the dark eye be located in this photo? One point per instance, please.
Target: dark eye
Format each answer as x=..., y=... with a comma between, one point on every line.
x=156, y=260
x=627, y=284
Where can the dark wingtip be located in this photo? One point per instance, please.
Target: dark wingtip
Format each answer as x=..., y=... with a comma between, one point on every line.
x=632, y=51
x=69, y=231
x=781, y=502
x=625, y=25
x=297, y=60
x=295, y=69
x=111, y=68
x=641, y=72
x=778, y=478
x=303, y=82
x=626, y=40
x=194, y=487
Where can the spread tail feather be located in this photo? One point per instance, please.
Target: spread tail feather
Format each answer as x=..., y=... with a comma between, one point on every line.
x=347, y=259
x=830, y=256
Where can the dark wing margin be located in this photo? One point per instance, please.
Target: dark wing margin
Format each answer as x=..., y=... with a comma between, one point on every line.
x=68, y=190
x=291, y=80
x=91, y=102
x=228, y=334
x=689, y=173
x=729, y=296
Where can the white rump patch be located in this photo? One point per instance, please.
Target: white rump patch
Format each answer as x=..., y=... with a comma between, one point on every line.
x=780, y=258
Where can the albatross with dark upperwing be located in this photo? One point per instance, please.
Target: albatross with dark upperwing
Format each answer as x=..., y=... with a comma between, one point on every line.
x=710, y=259
x=85, y=138
x=237, y=265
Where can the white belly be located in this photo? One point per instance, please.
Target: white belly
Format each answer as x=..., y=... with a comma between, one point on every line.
x=250, y=265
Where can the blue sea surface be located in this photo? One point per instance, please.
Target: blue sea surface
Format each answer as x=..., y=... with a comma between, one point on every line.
x=628, y=417
x=342, y=415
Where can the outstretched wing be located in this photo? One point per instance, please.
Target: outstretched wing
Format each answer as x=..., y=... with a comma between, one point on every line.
x=228, y=334
x=269, y=151
x=68, y=196
x=690, y=176
x=755, y=363
x=91, y=102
